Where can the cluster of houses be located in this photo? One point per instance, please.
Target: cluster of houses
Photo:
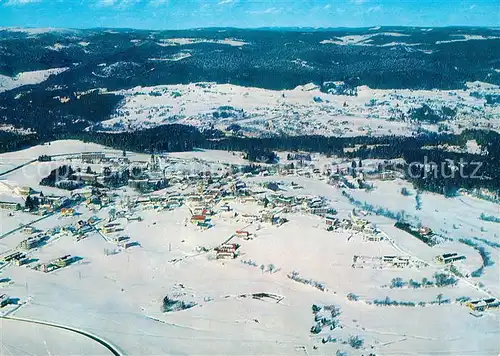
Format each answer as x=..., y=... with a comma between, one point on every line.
x=214, y=198
x=48, y=203
x=81, y=228
x=144, y=176
x=157, y=202
x=370, y=232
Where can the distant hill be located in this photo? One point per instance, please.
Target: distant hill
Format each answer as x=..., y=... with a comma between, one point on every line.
x=386, y=57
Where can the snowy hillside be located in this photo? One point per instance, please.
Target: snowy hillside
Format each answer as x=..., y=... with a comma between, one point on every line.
x=303, y=110
x=28, y=78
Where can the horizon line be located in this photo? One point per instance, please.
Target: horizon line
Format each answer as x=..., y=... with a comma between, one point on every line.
x=310, y=28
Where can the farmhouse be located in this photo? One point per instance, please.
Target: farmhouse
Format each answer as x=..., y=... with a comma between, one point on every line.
x=118, y=239
x=242, y=233
x=397, y=261
x=477, y=305
x=63, y=261
x=10, y=205
x=226, y=251
x=331, y=220
x=21, y=261
x=127, y=244
x=483, y=304
x=92, y=157
x=111, y=227
x=13, y=256
x=195, y=219
x=31, y=242
x=449, y=258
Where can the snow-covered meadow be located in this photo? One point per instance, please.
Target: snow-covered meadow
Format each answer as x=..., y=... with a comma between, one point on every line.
x=303, y=110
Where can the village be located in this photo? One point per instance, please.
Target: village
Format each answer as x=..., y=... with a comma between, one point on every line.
x=137, y=226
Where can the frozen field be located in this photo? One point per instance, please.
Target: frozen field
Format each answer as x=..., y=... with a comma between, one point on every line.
x=118, y=297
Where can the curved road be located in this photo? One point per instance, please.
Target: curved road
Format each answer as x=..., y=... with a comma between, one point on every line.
x=113, y=349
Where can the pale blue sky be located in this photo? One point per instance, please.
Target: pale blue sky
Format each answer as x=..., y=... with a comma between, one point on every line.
x=176, y=14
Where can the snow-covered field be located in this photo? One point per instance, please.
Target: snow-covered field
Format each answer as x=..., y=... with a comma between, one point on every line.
x=187, y=41
x=362, y=40
x=464, y=38
x=367, y=39
x=118, y=297
x=13, y=159
x=303, y=110
x=27, y=78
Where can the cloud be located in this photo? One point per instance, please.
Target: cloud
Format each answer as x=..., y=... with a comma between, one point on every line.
x=327, y=6
x=270, y=10
x=20, y=2
x=158, y=2
x=225, y=2
x=359, y=2
x=123, y=4
x=117, y=3
x=472, y=7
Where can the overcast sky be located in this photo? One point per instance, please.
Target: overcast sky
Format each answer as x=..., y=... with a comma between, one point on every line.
x=176, y=14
